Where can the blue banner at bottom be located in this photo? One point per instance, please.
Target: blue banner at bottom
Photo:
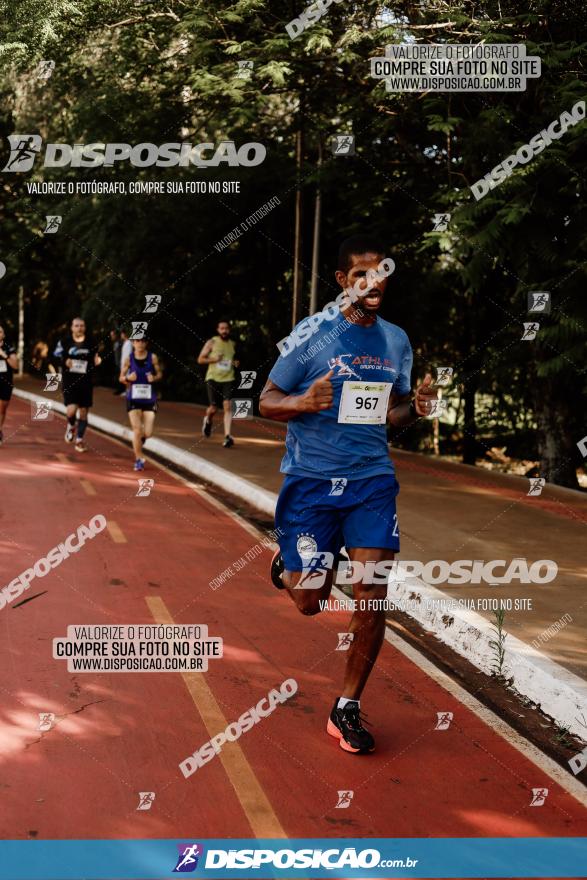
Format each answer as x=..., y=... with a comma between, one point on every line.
x=227, y=858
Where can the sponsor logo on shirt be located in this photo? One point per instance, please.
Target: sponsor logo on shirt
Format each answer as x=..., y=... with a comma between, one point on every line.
x=343, y=368
x=346, y=362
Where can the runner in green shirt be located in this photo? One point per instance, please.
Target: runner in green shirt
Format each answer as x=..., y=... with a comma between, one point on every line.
x=218, y=354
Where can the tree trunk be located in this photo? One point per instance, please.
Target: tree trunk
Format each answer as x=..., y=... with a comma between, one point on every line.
x=297, y=267
x=316, y=238
x=470, y=382
x=470, y=426
x=556, y=445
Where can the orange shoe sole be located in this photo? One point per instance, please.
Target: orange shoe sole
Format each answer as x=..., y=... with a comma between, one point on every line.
x=333, y=730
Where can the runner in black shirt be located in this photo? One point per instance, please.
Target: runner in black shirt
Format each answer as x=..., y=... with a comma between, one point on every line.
x=8, y=364
x=78, y=358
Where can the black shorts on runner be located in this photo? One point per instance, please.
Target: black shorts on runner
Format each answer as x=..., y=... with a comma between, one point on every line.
x=144, y=405
x=81, y=395
x=5, y=391
x=219, y=391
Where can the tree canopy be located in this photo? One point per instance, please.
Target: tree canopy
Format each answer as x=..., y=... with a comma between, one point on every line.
x=136, y=72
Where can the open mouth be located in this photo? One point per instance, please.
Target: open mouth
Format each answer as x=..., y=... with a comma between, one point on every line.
x=372, y=300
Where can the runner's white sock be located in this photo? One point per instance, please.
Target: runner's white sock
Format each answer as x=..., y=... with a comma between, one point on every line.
x=342, y=701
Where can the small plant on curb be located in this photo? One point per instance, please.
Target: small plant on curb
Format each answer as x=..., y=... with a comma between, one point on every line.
x=497, y=645
x=561, y=736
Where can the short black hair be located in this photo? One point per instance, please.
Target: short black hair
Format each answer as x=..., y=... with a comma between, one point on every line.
x=223, y=321
x=364, y=243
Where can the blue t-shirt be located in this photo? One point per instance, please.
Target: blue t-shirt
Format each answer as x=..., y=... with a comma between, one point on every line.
x=317, y=444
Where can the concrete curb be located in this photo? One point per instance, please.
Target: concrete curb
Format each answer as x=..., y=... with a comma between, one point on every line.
x=559, y=693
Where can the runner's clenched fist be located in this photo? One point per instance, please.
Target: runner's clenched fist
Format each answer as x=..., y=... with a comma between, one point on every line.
x=319, y=395
x=425, y=393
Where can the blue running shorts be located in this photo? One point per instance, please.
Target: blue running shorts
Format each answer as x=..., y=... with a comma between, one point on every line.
x=321, y=516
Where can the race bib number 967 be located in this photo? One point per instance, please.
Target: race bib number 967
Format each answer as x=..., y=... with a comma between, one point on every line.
x=364, y=403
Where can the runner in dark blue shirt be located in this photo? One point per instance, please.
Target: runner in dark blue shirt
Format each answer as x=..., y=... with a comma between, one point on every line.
x=139, y=372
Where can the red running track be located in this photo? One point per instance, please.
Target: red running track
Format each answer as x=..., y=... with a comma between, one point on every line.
x=121, y=733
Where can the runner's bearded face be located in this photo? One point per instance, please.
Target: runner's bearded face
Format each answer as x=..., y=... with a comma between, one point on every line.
x=223, y=330
x=78, y=329
x=371, y=293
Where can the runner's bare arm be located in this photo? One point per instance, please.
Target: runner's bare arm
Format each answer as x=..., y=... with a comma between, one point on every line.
x=400, y=413
x=12, y=361
x=123, y=371
x=158, y=374
x=204, y=356
x=276, y=404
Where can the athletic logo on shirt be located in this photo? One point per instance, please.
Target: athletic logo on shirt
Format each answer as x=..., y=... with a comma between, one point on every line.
x=343, y=369
x=338, y=485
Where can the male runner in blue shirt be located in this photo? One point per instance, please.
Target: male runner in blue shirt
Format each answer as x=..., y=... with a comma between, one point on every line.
x=337, y=383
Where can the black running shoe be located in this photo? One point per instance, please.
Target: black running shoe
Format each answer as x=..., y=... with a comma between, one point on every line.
x=228, y=442
x=277, y=569
x=206, y=427
x=347, y=726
